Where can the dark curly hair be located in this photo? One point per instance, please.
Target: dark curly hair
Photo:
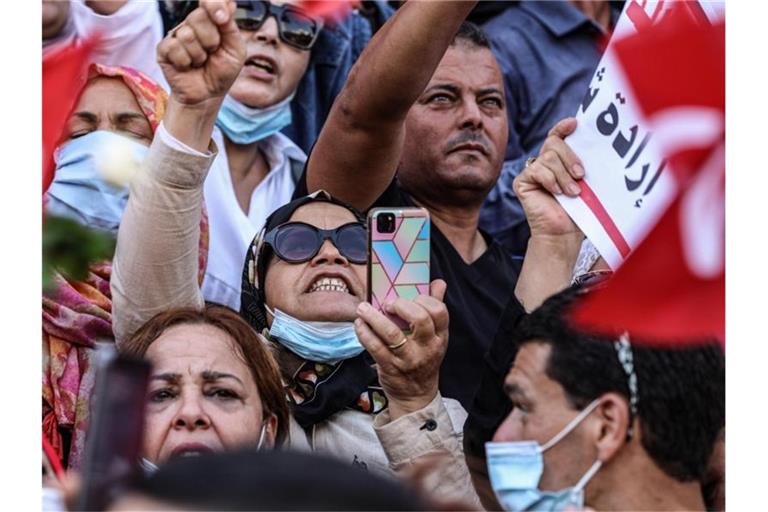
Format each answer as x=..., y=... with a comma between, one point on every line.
x=681, y=407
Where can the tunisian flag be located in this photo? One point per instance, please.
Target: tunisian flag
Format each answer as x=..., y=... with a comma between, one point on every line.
x=63, y=74
x=671, y=290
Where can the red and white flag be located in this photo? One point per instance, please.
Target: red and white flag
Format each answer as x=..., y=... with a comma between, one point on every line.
x=671, y=289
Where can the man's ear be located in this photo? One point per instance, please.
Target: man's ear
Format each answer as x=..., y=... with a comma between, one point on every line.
x=613, y=414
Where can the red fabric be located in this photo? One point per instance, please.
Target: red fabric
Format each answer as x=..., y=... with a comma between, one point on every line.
x=671, y=290
x=63, y=79
x=53, y=457
x=329, y=9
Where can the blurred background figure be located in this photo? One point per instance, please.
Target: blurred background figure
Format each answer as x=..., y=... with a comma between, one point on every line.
x=258, y=480
x=128, y=30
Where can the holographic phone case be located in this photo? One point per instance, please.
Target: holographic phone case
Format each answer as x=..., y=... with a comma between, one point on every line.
x=398, y=250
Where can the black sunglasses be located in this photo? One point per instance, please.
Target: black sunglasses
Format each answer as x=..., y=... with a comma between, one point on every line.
x=295, y=27
x=297, y=242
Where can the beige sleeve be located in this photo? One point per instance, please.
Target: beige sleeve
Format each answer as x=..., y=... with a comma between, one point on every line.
x=156, y=259
x=433, y=437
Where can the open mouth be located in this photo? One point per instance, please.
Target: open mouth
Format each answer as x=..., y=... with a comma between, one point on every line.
x=264, y=63
x=328, y=284
x=190, y=450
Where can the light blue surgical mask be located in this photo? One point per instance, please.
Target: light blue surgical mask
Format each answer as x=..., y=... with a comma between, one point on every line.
x=79, y=190
x=245, y=125
x=515, y=469
x=322, y=342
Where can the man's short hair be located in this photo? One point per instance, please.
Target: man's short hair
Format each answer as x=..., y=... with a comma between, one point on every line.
x=681, y=406
x=471, y=34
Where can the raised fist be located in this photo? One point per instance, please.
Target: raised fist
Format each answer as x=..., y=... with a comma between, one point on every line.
x=202, y=57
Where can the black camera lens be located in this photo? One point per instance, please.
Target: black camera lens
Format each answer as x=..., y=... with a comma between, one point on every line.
x=385, y=223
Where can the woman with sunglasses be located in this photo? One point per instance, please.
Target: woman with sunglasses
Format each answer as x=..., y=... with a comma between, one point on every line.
x=257, y=166
x=303, y=289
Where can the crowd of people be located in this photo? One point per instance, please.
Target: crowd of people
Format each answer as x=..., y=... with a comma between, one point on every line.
x=265, y=134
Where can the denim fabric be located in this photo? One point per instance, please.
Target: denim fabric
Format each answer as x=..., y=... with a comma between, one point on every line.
x=547, y=52
x=337, y=48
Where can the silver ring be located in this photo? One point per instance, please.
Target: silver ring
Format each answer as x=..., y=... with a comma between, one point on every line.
x=395, y=347
x=530, y=161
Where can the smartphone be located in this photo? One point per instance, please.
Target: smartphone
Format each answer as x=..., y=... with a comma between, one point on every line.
x=398, y=256
x=114, y=442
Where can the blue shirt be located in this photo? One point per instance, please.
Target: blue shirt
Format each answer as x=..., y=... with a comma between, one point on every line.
x=337, y=48
x=547, y=52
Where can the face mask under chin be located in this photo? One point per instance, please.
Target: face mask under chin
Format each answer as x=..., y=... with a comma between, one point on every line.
x=323, y=342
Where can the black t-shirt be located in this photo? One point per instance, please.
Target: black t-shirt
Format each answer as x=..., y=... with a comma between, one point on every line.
x=476, y=296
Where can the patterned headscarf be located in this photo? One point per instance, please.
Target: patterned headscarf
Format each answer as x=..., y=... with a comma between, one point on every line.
x=77, y=314
x=152, y=99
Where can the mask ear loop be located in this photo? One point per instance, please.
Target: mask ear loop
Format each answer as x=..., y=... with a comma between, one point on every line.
x=261, y=436
x=588, y=476
x=570, y=426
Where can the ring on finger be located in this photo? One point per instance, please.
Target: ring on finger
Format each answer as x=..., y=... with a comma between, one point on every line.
x=397, y=346
x=175, y=29
x=530, y=161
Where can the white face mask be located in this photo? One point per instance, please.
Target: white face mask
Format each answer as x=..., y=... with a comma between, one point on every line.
x=79, y=190
x=515, y=469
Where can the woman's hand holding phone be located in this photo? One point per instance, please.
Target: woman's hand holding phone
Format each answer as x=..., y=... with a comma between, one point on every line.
x=408, y=364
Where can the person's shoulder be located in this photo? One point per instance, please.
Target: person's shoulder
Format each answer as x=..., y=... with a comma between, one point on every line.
x=510, y=22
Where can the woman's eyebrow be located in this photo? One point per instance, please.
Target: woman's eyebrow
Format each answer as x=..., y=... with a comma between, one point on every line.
x=172, y=378
x=209, y=375
x=89, y=117
x=124, y=117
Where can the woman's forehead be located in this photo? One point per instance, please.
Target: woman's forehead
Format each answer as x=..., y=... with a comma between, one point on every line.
x=196, y=345
x=107, y=94
x=323, y=215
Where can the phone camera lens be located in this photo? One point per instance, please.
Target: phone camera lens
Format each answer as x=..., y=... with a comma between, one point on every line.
x=385, y=223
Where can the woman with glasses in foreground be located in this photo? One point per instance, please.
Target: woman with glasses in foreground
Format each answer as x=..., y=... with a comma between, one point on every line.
x=303, y=288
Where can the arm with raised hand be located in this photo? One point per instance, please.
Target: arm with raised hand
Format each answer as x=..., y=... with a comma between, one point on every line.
x=359, y=147
x=555, y=239
x=156, y=260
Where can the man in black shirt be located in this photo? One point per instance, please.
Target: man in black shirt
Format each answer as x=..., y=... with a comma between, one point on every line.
x=426, y=102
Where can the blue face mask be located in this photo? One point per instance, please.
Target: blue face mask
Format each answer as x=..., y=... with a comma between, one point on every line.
x=79, y=190
x=245, y=125
x=515, y=469
x=322, y=342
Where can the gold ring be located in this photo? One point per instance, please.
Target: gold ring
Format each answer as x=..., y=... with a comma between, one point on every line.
x=530, y=161
x=395, y=347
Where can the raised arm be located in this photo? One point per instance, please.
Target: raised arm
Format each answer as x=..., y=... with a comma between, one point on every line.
x=555, y=239
x=156, y=260
x=357, y=152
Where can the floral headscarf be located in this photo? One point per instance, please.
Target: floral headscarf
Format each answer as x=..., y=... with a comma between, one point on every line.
x=151, y=98
x=78, y=314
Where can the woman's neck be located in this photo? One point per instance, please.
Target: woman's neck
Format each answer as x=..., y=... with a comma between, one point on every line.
x=248, y=166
